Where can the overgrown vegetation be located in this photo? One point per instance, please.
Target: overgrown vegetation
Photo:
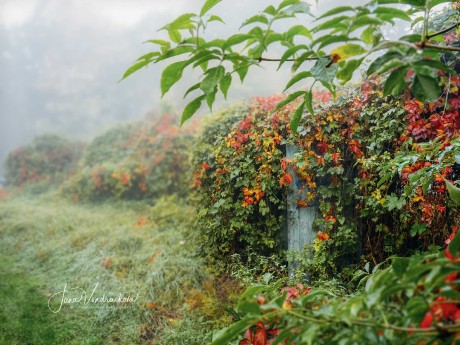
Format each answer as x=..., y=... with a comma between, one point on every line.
x=379, y=160
x=124, y=247
x=141, y=160
x=47, y=159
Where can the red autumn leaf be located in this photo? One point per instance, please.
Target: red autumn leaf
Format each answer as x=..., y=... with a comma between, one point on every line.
x=301, y=203
x=285, y=180
x=248, y=334
x=335, y=157
x=427, y=320
x=322, y=147
x=442, y=309
x=260, y=338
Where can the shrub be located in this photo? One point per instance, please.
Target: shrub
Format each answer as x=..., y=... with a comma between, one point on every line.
x=145, y=159
x=48, y=157
x=240, y=179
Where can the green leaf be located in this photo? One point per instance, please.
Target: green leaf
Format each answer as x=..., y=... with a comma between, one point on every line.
x=300, y=7
x=290, y=52
x=176, y=51
x=454, y=191
x=211, y=97
x=393, y=12
x=336, y=10
x=287, y=3
x=171, y=75
x=251, y=291
x=148, y=56
x=215, y=18
x=202, y=62
x=309, y=101
x=233, y=331
x=416, y=308
x=400, y=265
x=242, y=70
x=390, y=65
x=296, y=117
x=413, y=38
x=325, y=74
x=378, y=63
x=192, y=88
x=159, y=42
x=288, y=100
x=366, y=20
x=212, y=79
x=395, y=82
x=270, y=10
x=335, y=23
x=299, y=61
x=299, y=30
x=218, y=42
x=419, y=3
x=416, y=20
x=258, y=18
x=434, y=3
x=207, y=6
x=174, y=35
x=137, y=66
x=434, y=64
x=182, y=22
x=225, y=84
x=368, y=35
x=249, y=307
x=236, y=39
x=454, y=246
x=191, y=109
x=348, y=50
x=346, y=72
x=418, y=229
x=330, y=39
x=298, y=77
x=426, y=88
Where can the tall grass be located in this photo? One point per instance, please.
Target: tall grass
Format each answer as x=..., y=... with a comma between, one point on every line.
x=124, y=247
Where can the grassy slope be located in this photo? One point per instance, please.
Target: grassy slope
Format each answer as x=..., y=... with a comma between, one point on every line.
x=46, y=242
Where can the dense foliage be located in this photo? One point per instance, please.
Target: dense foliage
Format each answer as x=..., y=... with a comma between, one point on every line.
x=375, y=165
x=414, y=301
x=238, y=183
x=48, y=157
x=144, y=159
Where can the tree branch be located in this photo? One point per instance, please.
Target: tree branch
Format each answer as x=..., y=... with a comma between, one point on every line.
x=435, y=46
x=443, y=31
x=278, y=60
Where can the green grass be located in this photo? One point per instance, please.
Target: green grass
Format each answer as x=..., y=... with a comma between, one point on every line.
x=47, y=242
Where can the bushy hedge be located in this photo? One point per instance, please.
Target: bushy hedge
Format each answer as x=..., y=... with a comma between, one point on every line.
x=237, y=183
x=374, y=164
x=48, y=157
x=145, y=159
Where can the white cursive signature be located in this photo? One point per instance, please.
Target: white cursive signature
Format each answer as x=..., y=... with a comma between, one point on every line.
x=79, y=295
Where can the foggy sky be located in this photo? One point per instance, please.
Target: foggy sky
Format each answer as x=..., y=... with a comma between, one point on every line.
x=60, y=61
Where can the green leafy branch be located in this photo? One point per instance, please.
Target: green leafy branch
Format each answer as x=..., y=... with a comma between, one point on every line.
x=336, y=46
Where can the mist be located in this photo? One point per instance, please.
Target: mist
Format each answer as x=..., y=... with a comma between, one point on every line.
x=61, y=62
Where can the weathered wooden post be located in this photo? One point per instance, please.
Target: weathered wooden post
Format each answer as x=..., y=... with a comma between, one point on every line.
x=299, y=220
